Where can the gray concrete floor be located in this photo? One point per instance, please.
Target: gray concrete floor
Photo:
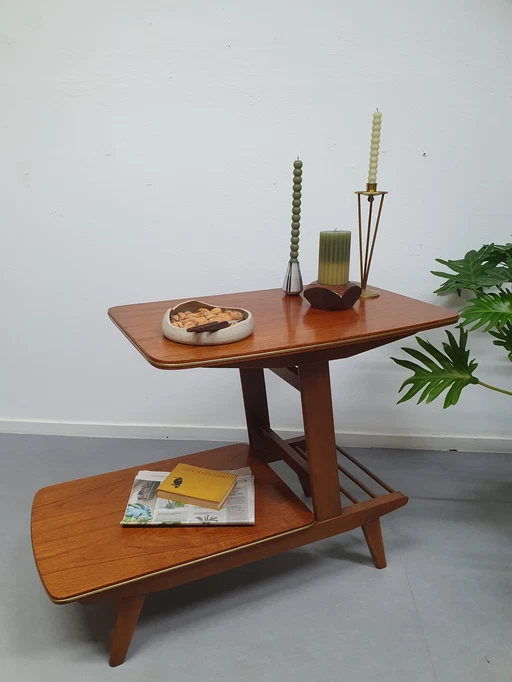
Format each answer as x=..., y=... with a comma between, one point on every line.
x=442, y=610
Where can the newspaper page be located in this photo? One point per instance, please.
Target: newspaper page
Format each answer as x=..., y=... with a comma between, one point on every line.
x=146, y=509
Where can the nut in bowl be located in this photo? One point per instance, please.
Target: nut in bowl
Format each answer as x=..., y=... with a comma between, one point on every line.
x=197, y=323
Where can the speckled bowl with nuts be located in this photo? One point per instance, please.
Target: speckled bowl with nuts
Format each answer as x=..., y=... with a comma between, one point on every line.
x=178, y=320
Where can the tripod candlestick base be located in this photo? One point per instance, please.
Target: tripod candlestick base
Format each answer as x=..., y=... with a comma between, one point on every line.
x=369, y=293
x=368, y=236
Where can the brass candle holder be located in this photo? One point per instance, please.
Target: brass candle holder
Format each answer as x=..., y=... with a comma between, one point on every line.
x=367, y=241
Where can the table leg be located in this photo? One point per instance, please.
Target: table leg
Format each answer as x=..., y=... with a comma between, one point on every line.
x=257, y=415
x=316, y=399
x=373, y=536
x=128, y=611
x=256, y=406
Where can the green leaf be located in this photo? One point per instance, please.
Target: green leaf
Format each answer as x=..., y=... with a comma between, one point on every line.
x=497, y=253
x=437, y=371
x=488, y=310
x=477, y=270
x=504, y=338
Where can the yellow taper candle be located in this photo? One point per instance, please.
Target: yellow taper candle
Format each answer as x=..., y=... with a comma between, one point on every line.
x=334, y=257
x=374, y=147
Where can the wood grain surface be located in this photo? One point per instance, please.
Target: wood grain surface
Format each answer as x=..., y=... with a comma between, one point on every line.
x=352, y=517
x=284, y=325
x=79, y=546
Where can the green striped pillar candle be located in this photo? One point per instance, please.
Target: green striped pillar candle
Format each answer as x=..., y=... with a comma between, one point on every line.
x=334, y=257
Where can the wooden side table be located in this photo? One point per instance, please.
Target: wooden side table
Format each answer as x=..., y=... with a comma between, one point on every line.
x=85, y=556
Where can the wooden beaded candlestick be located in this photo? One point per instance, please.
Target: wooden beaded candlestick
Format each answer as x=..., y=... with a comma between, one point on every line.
x=292, y=284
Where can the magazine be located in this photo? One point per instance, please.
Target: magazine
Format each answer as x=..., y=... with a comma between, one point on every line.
x=144, y=508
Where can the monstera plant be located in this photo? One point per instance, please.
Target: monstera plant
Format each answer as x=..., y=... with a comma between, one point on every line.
x=487, y=275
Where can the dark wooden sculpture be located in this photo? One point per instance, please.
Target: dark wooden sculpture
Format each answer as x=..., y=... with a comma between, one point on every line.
x=332, y=297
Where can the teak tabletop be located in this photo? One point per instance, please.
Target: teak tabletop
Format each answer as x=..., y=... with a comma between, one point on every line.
x=80, y=549
x=283, y=325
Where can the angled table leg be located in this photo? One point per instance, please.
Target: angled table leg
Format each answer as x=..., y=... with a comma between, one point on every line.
x=304, y=483
x=373, y=536
x=315, y=388
x=257, y=415
x=321, y=454
x=128, y=612
x=256, y=406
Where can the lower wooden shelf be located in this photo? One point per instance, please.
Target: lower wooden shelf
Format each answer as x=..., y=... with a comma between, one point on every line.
x=81, y=550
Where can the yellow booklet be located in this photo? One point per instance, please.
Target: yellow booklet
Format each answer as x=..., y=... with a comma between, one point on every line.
x=195, y=485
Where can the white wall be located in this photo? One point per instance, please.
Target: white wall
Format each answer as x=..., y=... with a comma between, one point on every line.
x=146, y=154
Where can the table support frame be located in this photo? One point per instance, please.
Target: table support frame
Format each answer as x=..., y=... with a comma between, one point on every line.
x=314, y=458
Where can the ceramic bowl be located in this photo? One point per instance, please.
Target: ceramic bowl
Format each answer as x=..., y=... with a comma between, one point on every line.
x=231, y=334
